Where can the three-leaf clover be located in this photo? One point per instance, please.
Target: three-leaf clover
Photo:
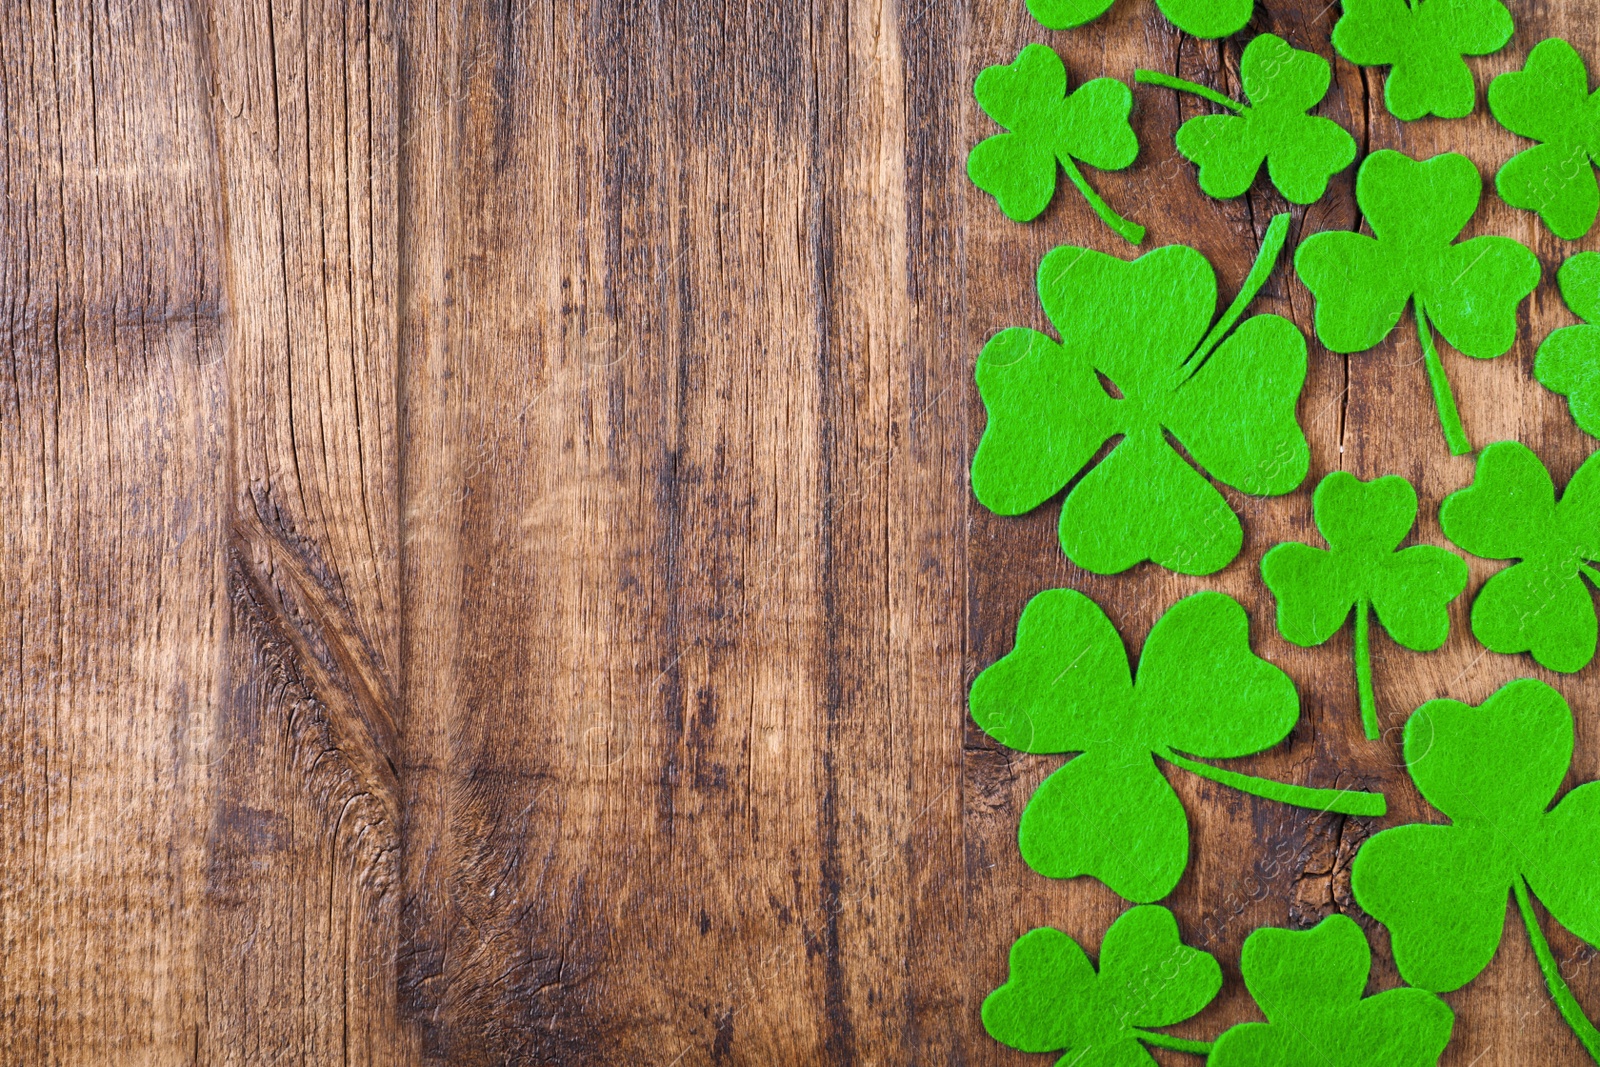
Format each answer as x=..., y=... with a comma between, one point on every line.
x=1301, y=151
x=1470, y=290
x=1199, y=18
x=1492, y=770
x=1308, y=984
x=1066, y=687
x=1053, y=1001
x=1549, y=101
x=1568, y=362
x=1422, y=42
x=1364, y=568
x=1049, y=126
x=1144, y=326
x=1539, y=605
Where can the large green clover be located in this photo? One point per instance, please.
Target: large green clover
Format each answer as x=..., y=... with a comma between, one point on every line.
x=1364, y=569
x=1301, y=151
x=1422, y=42
x=1143, y=325
x=1568, y=362
x=1308, y=984
x=1049, y=126
x=1470, y=290
x=1549, y=101
x=1492, y=770
x=1053, y=1001
x=1066, y=687
x=1198, y=18
x=1539, y=605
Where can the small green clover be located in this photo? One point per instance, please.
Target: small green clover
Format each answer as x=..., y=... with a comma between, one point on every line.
x=1549, y=101
x=1422, y=42
x=1066, y=687
x=1301, y=151
x=1493, y=771
x=1364, y=568
x=1470, y=290
x=1308, y=984
x=1539, y=605
x=1198, y=18
x=1568, y=362
x=1143, y=325
x=1049, y=126
x=1053, y=1001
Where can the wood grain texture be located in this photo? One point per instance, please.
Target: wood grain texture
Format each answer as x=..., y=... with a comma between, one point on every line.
x=493, y=578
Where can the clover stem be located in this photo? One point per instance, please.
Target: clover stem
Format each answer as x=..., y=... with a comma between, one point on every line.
x=1369, y=707
x=1131, y=232
x=1266, y=259
x=1339, y=801
x=1455, y=435
x=1559, y=992
x=1176, y=1044
x=1156, y=77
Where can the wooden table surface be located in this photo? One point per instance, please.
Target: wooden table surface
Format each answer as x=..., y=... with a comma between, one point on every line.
x=491, y=574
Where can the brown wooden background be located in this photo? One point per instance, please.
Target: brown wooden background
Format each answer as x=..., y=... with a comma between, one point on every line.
x=489, y=572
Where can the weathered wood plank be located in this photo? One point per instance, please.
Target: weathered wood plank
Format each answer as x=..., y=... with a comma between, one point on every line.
x=111, y=458
x=303, y=841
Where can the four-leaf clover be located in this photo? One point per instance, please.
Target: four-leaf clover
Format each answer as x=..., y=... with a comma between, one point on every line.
x=1054, y=1001
x=1049, y=126
x=1066, y=687
x=1539, y=605
x=1549, y=101
x=1301, y=151
x=1410, y=589
x=1568, y=362
x=1493, y=771
x=1470, y=290
x=1308, y=983
x=1199, y=18
x=1422, y=42
x=1146, y=326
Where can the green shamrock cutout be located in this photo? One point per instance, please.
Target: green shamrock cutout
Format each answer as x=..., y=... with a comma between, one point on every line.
x=1539, y=605
x=1364, y=569
x=1301, y=151
x=1054, y=1001
x=1422, y=42
x=1308, y=983
x=1469, y=291
x=1198, y=18
x=1143, y=326
x=1066, y=687
x=1492, y=770
x=1048, y=126
x=1549, y=101
x=1568, y=362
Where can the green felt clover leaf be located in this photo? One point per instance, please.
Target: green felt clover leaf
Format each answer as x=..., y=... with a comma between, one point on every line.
x=1199, y=18
x=1143, y=326
x=1301, y=151
x=1493, y=771
x=1364, y=569
x=1308, y=984
x=1568, y=362
x=1422, y=42
x=1049, y=126
x=1053, y=1001
x=1510, y=511
x=1469, y=290
x=1066, y=687
x=1549, y=101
